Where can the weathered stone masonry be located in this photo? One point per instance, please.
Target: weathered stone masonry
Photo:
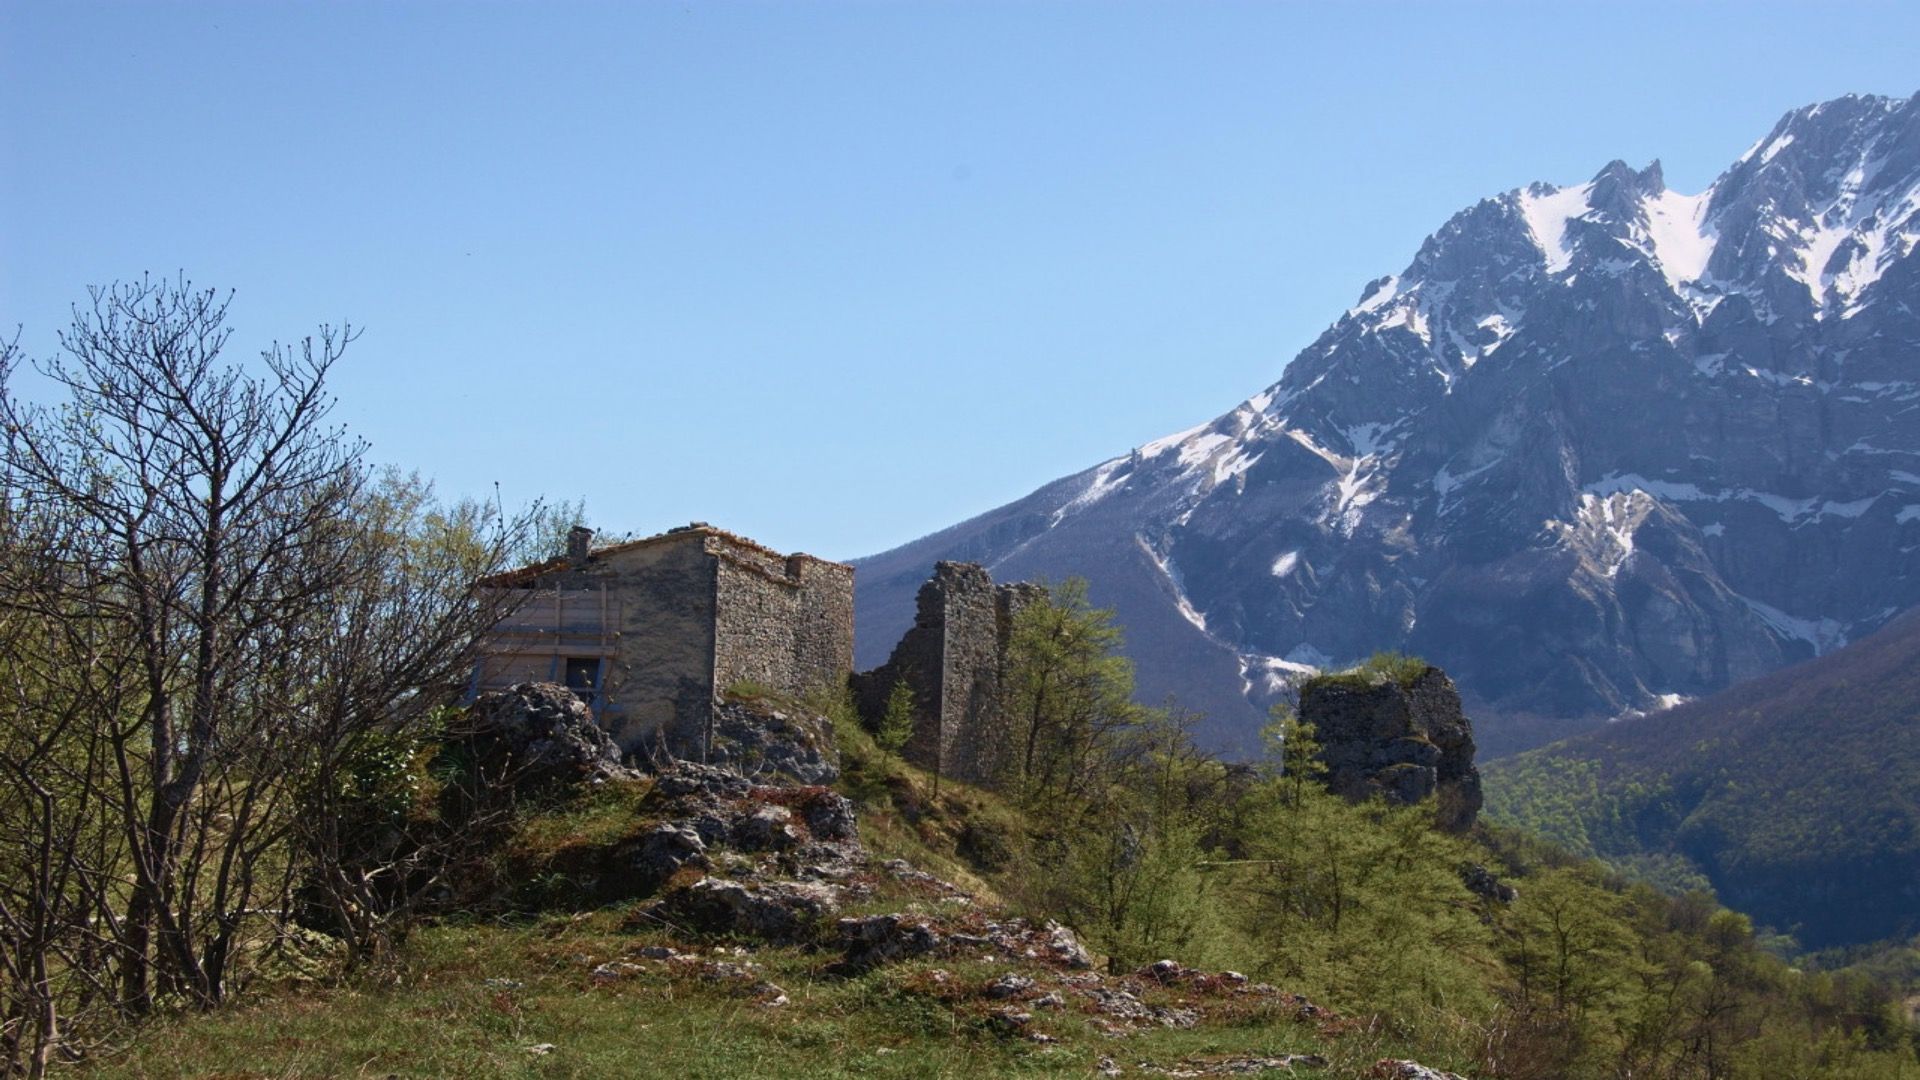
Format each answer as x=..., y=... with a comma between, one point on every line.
x=652, y=631
x=954, y=660
x=1404, y=741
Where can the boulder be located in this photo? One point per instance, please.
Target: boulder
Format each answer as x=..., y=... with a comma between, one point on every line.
x=1065, y=948
x=1009, y=987
x=535, y=735
x=767, y=827
x=690, y=778
x=779, y=911
x=880, y=939
x=666, y=848
x=829, y=816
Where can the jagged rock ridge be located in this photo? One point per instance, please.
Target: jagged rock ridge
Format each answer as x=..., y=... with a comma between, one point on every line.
x=1596, y=449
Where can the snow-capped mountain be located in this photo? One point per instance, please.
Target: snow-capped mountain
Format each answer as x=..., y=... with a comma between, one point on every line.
x=1595, y=449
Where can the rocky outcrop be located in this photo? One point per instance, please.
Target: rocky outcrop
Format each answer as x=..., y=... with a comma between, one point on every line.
x=772, y=742
x=1406, y=739
x=732, y=866
x=538, y=735
x=776, y=911
x=1482, y=883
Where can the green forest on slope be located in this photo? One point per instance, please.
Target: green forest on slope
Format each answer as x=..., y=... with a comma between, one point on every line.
x=1795, y=795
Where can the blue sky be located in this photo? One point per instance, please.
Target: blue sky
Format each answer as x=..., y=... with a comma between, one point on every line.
x=831, y=275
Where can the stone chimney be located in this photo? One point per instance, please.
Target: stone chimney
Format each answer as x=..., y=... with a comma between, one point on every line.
x=579, y=538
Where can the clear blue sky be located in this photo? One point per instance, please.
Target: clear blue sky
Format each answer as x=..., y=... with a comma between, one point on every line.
x=832, y=275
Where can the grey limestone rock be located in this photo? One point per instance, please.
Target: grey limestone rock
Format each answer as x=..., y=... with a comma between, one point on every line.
x=830, y=816
x=777, y=911
x=1009, y=987
x=786, y=743
x=666, y=848
x=881, y=939
x=1064, y=946
x=538, y=735
x=767, y=828
x=1407, y=741
x=1397, y=1069
x=685, y=778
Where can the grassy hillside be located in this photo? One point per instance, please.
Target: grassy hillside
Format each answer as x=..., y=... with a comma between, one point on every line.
x=1361, y=919
x=1796, y=795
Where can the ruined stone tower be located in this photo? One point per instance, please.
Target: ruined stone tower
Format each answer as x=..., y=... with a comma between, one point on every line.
x=1407, y=741
x=953, y=659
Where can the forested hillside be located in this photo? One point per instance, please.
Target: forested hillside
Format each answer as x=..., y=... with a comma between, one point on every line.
x=1796, y=795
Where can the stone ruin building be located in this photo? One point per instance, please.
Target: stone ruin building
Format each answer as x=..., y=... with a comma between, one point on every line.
x=953, y=659
x=651, y=632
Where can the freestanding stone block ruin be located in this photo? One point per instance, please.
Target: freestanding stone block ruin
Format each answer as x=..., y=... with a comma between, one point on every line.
x=953, y=659
x=1406, y=741
x=652, y=631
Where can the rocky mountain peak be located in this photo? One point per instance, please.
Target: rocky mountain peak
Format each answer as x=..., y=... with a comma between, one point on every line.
x=1621, y=190
x=1594, y=449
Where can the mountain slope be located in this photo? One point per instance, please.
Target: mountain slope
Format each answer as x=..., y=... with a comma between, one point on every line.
x=1594, y=449
x=1794, y=793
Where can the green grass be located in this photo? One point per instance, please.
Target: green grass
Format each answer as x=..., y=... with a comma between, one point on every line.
x=1379, y=669
x=437, y=1015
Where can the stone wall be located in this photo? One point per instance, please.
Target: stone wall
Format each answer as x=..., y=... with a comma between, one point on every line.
x=953, y=658
x=786, y=624
x=823, y=625
x=1405, y=741
x=753, y=631
x=687, y=614
x=658, y=679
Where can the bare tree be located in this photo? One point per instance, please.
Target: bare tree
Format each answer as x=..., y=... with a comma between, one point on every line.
x=400, y=641
x=269, y=606
x=60, y=669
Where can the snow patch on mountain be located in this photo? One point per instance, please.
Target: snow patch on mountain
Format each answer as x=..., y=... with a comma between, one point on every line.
x=1382, y=291
x=1102, y=484
x=1680, y=240
x=1161, y=445
x=1171, y=575
x=1352, y=495
x=1272, y=675
x=1825, y=635
x=1547, y=210
x=1795, y=511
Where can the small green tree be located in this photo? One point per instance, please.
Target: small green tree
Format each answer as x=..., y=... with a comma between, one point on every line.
x=896, y=724
x=1069, y=694
x=1130, y=855
x=1292, y=742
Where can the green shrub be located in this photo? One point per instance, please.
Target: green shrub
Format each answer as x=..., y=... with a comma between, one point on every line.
x=896, y=724
x=1380, y=669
